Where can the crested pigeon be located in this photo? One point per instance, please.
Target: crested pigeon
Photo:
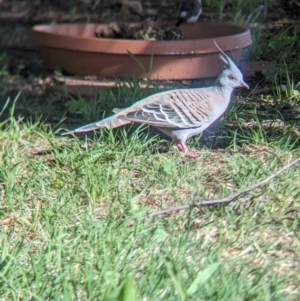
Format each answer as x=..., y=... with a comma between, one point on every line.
x=189, y=12
x=180, y=113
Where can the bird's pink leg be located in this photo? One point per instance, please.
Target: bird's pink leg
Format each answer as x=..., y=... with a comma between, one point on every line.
x=183, y=148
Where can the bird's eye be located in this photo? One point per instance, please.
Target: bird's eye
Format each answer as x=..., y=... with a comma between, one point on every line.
x=231, y=76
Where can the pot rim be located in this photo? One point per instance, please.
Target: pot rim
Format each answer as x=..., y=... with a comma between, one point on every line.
x=45, y=35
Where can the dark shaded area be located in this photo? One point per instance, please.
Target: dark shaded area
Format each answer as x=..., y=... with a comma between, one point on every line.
x=147, y=31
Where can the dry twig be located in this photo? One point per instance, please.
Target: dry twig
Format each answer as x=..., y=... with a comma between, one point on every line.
x=227, y=199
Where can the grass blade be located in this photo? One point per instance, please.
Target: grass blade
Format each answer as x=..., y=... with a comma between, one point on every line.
x=202, y=277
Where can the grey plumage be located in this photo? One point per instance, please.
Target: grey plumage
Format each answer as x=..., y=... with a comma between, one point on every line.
x=189, y=12
x=181, y=113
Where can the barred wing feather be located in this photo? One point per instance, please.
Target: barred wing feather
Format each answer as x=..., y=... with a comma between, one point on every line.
x=177, y=108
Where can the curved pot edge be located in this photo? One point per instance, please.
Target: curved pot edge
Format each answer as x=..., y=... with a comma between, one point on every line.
x=94, y=44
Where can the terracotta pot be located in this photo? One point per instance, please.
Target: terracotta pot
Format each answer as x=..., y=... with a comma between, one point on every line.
x=74, y=48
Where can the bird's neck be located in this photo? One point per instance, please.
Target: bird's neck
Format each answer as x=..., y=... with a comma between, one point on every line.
x=225, y=95
x=225, y=89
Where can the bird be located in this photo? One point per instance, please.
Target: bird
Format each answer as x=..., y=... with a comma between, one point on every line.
x=189, y=12
x=179, y=113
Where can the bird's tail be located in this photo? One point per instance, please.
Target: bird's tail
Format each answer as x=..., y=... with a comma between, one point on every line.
x=109, y=123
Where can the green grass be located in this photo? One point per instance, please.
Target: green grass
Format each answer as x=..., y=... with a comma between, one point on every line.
x=74, y=227
x=242, y=12
x=73, y=218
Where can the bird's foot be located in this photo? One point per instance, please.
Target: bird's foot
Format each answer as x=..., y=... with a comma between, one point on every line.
x=191, y=154
x=183, y=148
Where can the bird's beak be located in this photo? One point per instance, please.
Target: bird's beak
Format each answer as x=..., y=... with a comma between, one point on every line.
x=244, y=85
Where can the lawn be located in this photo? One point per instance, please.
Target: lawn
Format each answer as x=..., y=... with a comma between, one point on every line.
x=75, y=210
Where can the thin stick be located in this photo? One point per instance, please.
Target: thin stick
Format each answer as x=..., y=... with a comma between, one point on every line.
x=227, y=199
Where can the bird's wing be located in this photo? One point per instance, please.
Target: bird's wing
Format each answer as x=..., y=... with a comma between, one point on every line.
x=116, y=110
x=183, y=108
x=188, y=10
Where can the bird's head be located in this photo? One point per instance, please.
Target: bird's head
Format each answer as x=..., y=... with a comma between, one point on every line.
x=231, y=76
